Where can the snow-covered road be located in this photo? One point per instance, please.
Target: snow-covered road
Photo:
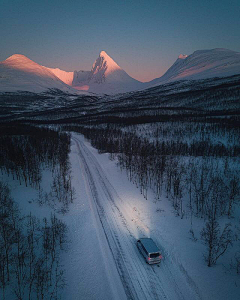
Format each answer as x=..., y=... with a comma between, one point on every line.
x=122, y=223
x=104, y=221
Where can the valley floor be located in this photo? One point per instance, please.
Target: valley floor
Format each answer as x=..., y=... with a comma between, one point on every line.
x=104, y=222
x=108, y=216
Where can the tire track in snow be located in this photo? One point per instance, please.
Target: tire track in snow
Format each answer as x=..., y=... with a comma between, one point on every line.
x=140, y=280
x=126, y=280
x=141, y=276
x=149, y=283
x=193, y=291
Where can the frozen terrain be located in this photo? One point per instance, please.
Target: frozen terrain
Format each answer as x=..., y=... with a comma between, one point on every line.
x=124, y=215
x=120, y=218
x=202, y=64
x=18, y=73
x=104, y=222
x=66, y=77
x=106, y=77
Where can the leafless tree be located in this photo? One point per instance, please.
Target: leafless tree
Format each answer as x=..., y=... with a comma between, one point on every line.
x=216, y=242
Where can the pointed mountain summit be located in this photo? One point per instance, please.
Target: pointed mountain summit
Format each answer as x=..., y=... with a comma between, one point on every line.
x=104, y=66
x=105, y=77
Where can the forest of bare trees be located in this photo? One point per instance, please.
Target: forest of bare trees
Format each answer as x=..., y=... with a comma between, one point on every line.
x=26, y=150
x=29, y=252
x=30, y=247
x=187, y=164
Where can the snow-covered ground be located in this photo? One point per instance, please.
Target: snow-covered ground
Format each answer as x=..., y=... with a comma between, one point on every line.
x=104, y=222
x=119, y=215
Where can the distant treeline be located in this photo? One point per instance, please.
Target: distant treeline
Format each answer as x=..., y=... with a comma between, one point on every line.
x=111, y=139
x=183, y=170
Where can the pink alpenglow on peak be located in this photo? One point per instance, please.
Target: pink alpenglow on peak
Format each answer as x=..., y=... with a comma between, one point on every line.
x=182, y=56
x=21, y=62
x=19, y=73
x=105, y=77
x=66, y=77
x=111, y=64
x=202, y=64
x=103, y=66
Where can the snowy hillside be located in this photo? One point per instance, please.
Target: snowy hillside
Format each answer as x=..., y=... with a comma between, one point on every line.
x=19, y=73
x=202, y=64
x=106, y=77
x=66, y=77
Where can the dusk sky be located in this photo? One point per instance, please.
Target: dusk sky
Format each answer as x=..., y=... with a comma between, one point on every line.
x=143, y=37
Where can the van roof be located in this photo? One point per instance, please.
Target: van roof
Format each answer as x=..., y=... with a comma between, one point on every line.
x=149, y=245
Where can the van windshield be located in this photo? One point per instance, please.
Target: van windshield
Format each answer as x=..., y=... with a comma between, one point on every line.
x=154, y=255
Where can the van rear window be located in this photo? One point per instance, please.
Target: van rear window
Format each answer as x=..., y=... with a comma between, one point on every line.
x=154, y=255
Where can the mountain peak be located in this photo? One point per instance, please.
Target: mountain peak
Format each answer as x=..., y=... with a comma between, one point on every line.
x=17, y=58
x=103, y=54
x=103, y=67
x=106, y=62
x=182, y=56
x=19, y=73
x=105, y=77
x=21, y=62
x=202, y=64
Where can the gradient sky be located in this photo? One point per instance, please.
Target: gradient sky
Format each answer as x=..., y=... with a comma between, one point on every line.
x=143, y=37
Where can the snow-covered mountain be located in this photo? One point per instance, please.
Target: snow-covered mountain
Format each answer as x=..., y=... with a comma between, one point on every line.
x=19, y=73
x=202, y=64
x=66, y=77
x=105, y=77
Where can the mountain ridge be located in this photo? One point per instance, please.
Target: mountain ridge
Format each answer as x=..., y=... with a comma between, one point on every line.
x=107, y=77
x=19, y=73
x=201, y=64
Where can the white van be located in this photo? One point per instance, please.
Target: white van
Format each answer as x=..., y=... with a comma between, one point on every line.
x=149, y=250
